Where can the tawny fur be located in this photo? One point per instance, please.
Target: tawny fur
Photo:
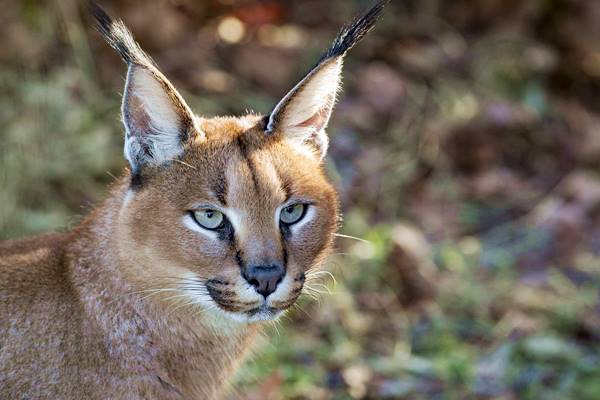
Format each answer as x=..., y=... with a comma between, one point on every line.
x=139, y=301
x=77, y=319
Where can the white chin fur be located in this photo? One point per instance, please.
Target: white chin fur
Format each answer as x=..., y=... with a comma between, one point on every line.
x=226, y=322
x=243, y=318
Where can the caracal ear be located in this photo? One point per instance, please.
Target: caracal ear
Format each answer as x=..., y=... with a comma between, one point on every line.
x=302, y=115
x=158, y=122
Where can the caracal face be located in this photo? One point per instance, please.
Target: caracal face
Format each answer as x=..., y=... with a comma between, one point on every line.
x=234, y=227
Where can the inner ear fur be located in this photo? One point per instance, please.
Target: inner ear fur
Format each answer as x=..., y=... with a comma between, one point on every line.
x=303, y=113
x=157, y=120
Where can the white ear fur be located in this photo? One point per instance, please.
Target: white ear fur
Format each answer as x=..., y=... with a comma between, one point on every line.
x=155, y=116
x=302, y=115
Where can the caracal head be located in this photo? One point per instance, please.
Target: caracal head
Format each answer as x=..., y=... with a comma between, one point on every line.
x=227, y=215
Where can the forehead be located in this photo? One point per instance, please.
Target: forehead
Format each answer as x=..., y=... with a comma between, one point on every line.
x=240, y=166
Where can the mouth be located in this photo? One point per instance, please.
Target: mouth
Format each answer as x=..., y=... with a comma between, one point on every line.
x=249, y=309
x=251, y=312
x=263, y=313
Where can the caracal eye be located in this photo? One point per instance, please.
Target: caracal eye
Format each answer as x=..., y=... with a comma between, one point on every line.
x=209, y=219
x=292, y=214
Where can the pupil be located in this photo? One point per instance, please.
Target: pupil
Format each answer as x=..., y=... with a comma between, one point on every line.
x=209, y=214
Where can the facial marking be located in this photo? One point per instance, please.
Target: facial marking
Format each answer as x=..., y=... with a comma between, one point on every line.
x=251, y=186
x=241, y=303
x=223, y=322
x=236, y=217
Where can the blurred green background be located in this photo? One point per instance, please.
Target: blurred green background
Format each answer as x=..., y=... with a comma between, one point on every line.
x=465, y=146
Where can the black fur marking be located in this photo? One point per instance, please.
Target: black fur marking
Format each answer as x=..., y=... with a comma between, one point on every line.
x=285, y=257
x=243, y=146
x=118, y=37
x=245, y=154
x=216, y=281
x=286, y=186
x=345, y=40
x=239, y=260
x=252, y=168
x=353, y=33
x=264, y=122
x=300, y=278
x=219, y=188
x=286, y=232
x=221, y=193
x=226, y=232
x=136, y=180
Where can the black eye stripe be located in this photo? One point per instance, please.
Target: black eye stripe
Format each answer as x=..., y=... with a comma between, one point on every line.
x=226, y=232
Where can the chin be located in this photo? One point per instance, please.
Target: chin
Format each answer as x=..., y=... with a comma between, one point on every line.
x=264, y=313
x=259, y=314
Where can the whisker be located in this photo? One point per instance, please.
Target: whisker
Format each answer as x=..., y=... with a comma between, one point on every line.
x=158, y=291
x=286, y=317
x=299, y=307
x=178, y=283
x=316, y=290
x=184, y=163
x=151, y=291
x=327, y=289
x=351, y=237
x=274, y=325
x=312, y=295
x=342, y=254
x=189, y=303
x=179, y=306
x=111, y=175
x=315, y=275
x=176, y=279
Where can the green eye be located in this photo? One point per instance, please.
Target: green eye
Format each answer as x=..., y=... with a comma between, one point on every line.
x=209, y=219
x=292, y=214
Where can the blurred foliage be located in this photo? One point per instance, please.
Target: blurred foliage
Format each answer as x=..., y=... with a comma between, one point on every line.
x=465, y=146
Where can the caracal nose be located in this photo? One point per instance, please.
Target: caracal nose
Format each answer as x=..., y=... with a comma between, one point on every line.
x=265, y=278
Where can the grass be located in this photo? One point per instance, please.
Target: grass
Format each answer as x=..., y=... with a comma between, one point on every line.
x=485, y=335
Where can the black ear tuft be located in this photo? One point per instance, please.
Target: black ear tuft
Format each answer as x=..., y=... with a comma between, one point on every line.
x=354, y=32
x=118, y=37
x=303, y=113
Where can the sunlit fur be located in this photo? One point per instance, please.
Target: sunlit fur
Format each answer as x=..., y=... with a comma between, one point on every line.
x=139, y=301
x=129, y=287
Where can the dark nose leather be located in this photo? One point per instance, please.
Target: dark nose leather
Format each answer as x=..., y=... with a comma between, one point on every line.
x=264, y=278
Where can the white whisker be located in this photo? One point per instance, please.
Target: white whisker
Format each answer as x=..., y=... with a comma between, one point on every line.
x=351, y=237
